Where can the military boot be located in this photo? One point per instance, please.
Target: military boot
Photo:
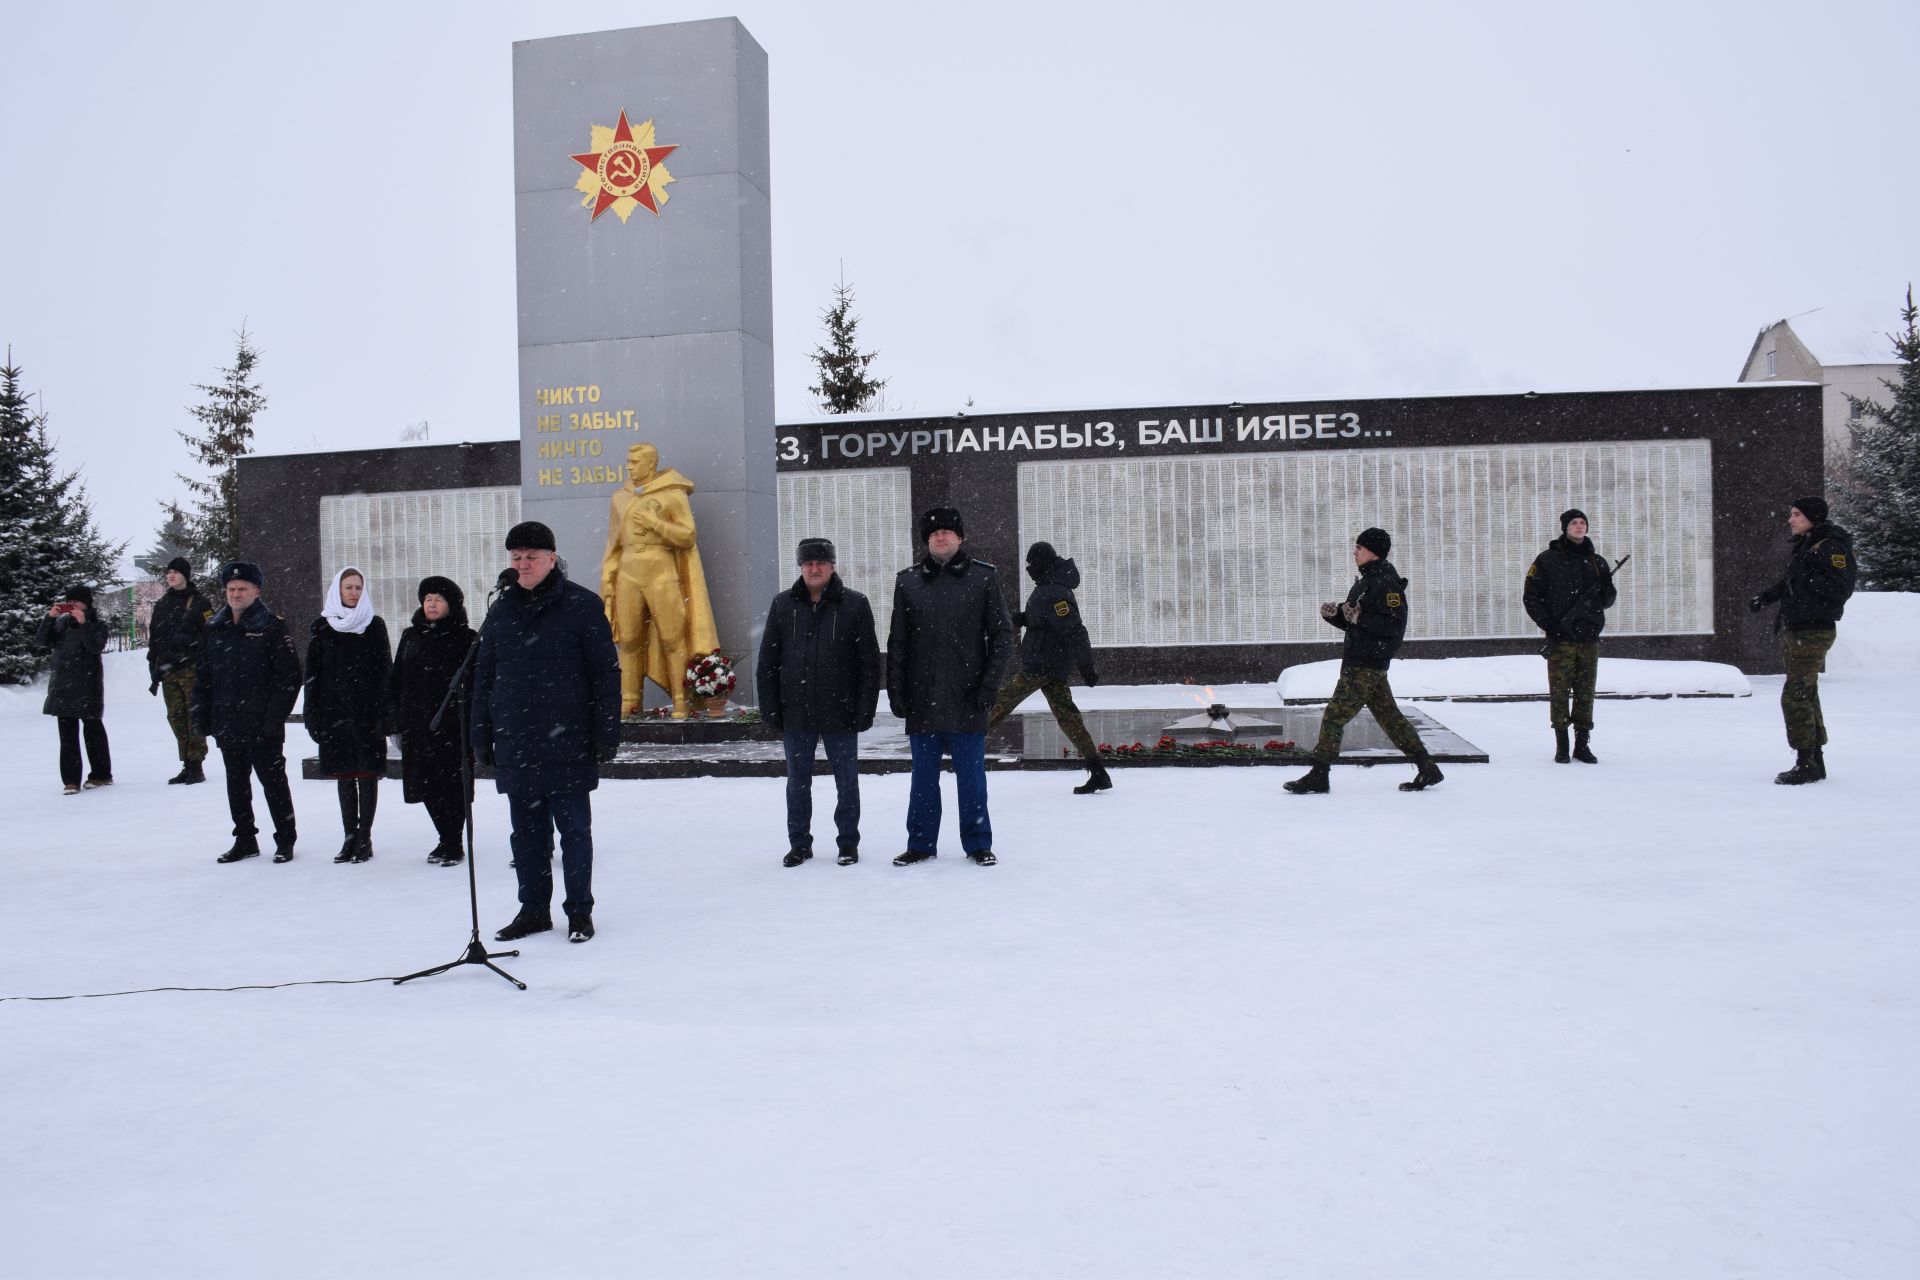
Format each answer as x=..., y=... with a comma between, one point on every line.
x=1806, y=768
x=1097, y=780
x=1581, y=751
x=1429, y=774
x=1311, y=783
x=1560, y=755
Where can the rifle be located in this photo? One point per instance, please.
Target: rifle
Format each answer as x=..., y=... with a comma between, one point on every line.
x=1560, y=623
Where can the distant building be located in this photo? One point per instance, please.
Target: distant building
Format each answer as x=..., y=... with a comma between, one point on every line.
x=1847, y=351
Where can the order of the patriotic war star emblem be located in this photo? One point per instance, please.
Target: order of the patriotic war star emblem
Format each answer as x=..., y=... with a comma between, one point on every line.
x=624, y=169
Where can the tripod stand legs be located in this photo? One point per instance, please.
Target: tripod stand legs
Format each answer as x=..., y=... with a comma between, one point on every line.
x=474, y=954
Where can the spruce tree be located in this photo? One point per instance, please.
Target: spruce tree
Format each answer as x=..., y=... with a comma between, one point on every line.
x=1883, y=499
x=48, y=539
x=170, y=540
x=225, y=435
x=844, y=385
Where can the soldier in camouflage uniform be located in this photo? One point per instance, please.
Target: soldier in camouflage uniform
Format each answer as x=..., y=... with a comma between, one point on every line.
x=1812, y=596
x=1056, y=643
x=1569, y=590
x=173, y=649
x=1374, y=616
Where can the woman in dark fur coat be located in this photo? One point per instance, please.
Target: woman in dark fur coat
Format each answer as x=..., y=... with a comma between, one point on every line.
x=434, y=763
x=348, y=660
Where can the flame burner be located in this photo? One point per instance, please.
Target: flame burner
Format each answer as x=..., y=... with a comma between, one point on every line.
x=1218, y=724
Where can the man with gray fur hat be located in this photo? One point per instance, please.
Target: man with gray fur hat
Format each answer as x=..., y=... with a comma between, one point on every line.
x=818, y=679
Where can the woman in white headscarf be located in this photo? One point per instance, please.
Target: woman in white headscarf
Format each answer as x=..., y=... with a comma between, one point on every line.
x=348, y=660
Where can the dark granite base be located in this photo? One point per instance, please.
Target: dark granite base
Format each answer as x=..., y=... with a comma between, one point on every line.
x=1024, y=742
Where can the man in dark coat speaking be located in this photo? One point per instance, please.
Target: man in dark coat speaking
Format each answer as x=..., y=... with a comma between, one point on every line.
x=818, y=679
x=546, y=712
x=948, y=649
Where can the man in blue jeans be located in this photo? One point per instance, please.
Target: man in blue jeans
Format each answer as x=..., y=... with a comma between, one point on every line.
x=546, y=713
x=948, y=651
x=818, y=678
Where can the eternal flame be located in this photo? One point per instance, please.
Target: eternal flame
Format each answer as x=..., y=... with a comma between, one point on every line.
x=652, y=584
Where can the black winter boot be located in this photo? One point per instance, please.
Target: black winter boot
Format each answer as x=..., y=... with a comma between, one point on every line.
x=349, y=820
x=912, y=856
x=1560, y=755
x=1806, y=768
x=193, y=773
x=795, y=857
x=527, y=921
x=849, y=854
x=1097, y=780
x=243, y=847
x=1429, y=774
x=1581, y=751
x=368, y=794
x=1820, y=761
x=1313, y=782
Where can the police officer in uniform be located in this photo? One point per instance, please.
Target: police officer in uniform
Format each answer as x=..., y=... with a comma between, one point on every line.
x=1374, y=617
x=1820, y=576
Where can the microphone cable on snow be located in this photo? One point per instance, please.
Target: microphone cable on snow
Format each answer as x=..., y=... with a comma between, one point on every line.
x=258, y=986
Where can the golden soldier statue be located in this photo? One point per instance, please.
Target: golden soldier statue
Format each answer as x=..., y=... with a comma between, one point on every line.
x=651, y=582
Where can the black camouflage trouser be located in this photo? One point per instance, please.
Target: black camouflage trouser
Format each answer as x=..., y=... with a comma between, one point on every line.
x=1806, y=654
x=1571, y=671
x=1364, y=687
x=177, y=688
x=1059, y=701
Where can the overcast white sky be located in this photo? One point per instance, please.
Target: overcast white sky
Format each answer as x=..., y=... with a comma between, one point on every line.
x=1038, y=205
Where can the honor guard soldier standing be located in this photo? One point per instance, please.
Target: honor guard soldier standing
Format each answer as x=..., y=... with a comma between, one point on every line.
x=1374, y=616
x=1820, y=575
x=1569, y=590
x=173, y=650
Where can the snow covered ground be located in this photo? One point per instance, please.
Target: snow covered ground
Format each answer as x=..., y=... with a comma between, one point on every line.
x=1651, y=1019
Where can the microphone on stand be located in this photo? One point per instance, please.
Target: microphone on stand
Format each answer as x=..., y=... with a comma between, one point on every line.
x=508, y=577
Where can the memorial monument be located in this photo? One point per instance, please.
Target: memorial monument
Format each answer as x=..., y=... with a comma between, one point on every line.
x=643, y=236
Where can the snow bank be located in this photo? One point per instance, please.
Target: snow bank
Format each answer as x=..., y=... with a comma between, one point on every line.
x=1521, y=676
x=1880, y=632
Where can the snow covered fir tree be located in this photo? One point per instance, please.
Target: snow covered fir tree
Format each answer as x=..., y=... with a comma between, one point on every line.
x=48, y=539
x=845, y=384
x=226, y=418
x=1883, y=499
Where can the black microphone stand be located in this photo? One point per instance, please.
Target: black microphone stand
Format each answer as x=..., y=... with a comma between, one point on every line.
x=476, y=952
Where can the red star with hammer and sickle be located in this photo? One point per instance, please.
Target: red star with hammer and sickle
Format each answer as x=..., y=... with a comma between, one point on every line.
x=644, y=194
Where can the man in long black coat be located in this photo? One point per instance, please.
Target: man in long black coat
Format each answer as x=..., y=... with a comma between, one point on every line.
x=546, y=713
x=173, y=651
x=948, y=650
x=1568, y=592
x=243, y=692
x=818, y=678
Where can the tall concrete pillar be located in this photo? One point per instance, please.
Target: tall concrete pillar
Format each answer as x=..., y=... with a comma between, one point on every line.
x=643, y=236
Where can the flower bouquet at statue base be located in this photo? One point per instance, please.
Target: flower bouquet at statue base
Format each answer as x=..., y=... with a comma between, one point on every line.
x=710, y=681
